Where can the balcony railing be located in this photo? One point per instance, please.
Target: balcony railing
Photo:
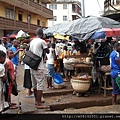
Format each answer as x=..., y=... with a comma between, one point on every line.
x=10, y=24
x=24, y=1
x=37, y=6
x=31, y=6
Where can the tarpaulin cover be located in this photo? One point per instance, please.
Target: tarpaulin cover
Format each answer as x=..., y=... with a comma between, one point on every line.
x=83, y=28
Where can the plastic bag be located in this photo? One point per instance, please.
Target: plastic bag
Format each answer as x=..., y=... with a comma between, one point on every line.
x=14, y=89
x=57, y=78
x=94, y=74
x=118, y=81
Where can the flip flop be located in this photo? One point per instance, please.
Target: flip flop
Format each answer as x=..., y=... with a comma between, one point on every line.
x=30, y=96
x=13, y=107
x=42, y=107
x=43, y=101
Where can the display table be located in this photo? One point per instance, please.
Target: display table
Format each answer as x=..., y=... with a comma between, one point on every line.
x=84, y=67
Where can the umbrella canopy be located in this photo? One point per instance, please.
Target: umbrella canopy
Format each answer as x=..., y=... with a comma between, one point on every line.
x=102, y=33
x=12, y=34
x=58, y=36
x=84, y=28
x=19, y=34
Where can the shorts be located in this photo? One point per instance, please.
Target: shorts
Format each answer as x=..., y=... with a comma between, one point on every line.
x=65, y=69
x=37, y=77
x=50, y=70
x=116, y=89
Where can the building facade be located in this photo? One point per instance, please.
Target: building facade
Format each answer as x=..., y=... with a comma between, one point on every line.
x=26, y=15
x=64, y=11
x=112, y=9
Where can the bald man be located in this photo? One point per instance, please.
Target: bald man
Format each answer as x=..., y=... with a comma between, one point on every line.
x=37, y=45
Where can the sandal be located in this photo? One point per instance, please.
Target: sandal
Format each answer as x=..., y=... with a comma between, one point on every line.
x=42, y=107
x=13, y=107
x=51, y=87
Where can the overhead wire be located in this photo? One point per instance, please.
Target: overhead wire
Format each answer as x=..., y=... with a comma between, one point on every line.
x=99, y=5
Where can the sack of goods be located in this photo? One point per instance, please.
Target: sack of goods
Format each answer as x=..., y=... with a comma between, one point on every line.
x=58, y=81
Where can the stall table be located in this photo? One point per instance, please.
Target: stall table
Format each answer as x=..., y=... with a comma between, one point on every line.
x=84, y=67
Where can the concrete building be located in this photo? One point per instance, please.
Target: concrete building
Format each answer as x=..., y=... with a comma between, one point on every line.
x=64, y=11
x=23, y=14
x=112, y=9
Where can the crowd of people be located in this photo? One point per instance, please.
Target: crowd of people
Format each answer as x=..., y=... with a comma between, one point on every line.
x=12, y=52
x=55, y=57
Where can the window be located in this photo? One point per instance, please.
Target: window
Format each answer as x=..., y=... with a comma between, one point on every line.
x=64, y=6
x=64, y=18
x=38, y=22
x=53, y=7
x=55, y=18
x=19, y=16
x=50, y=7
x=9, y=13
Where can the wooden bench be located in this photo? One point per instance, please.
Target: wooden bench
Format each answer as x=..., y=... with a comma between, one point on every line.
x=103, y=78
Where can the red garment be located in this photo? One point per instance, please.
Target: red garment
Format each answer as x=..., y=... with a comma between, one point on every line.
x=10, y=67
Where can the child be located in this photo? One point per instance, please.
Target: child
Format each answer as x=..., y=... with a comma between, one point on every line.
x=51, y=57
x=11, y=78
x=27, y=79
x=3, y=78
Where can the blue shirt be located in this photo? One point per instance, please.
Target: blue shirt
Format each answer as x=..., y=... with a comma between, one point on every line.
x=115, y=68
x=8, y=45
x=15, y=58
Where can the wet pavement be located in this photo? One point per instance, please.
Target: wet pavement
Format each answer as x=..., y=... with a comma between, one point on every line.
x=63, y=101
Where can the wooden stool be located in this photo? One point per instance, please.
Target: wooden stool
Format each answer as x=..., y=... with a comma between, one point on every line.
x=104, y=87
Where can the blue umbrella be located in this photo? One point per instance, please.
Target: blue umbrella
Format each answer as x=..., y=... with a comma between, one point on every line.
x=74, y=39
x=98, y=34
